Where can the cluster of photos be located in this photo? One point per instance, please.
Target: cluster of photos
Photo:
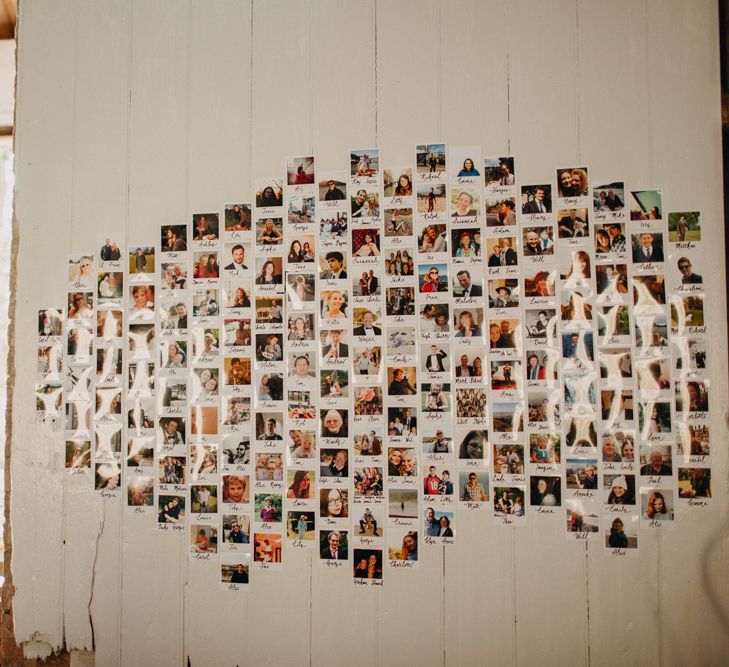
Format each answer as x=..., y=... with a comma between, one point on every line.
x=354, y=358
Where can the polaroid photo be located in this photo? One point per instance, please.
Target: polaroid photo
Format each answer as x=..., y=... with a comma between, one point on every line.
x=682, y=268
x=684, y=229
x=430, y=160
x=301, y=527
x=171, y=468
x=402, y=548
x=472, y=406
x=333, y=228
x=466, y=245
x=140, y=489
x=616, y=408
x=398, y=224
x=49, y=361
x=582, y=516
x=573, y=224
x=236, y=533
x=503, y=256
x=694, y=486
x=473, y=489
x=687, y=315
x=110, y=253
x=499, y=174
x=80, y=272
x=141, y=299
x=365, y=206
x=50, y=324
x=300, y=171
x=333, y=547
x=397, y=185
x=402, y=506
x=509, y=504
x=545, y=494
x=173, y=241
x=581, y=477
x=269, y=234
x=234, y=257
x=608, y=201
x=364, y=166
x=78, y=456
x=572, y=183
x=80, y=312
x=610, y=241
x=332, y=189
x=170, y=512
x=237, y=220
x=141, y=265
x=109, y=325
x=646, y=206
x=538, y=244
x=367, y=570
x=402, y=466
x=508, y=463
x=431, y=201
x=465, y=204
x=536, y=203
x=301, y=210
x=657, y=507
x=236, y=490
x=619, y=492
x=500, y=213
x=235, y=572
x=439, y=525
x=366, y=245
x=173, y=277
x=465, y=163
x=268, y=193
x=107, y=480
x=333, y=503
x=621, y=534
x=203, y=541
x=437, y=484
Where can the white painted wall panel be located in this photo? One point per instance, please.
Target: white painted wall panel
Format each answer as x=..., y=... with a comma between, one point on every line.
x=133, y=114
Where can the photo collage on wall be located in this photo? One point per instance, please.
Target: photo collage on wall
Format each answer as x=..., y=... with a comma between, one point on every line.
x=351, y=360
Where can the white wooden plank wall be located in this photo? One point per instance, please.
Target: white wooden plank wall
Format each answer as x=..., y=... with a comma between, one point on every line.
x=134, y=113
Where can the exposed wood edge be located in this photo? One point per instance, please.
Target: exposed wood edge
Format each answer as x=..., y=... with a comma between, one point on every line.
x=6, y=131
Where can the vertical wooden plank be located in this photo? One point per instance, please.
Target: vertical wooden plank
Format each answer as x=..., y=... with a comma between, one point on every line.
x=219, y=159
x=93, y=526
x=474, y=74
x=154, y=563
x=47, y=31
x=685, y=140
x=408, y=111
x=342, y=80
x=617, y=96
x=343, y=88
x=543, y=126
x=281, y=126
x=475, y=110
x=408, y=78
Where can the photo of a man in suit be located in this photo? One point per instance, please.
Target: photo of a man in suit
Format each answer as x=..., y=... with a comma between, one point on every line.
x=538, y=204
x=467, y=286
x=463, y=370
x=335, y=262
x=647, y=250
x=238, y=253
x=434, y=361
x=333, y=549
x=367, y=328
x=335, y=349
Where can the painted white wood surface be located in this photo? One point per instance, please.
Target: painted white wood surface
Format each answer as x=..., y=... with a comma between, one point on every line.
x=133, y=114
